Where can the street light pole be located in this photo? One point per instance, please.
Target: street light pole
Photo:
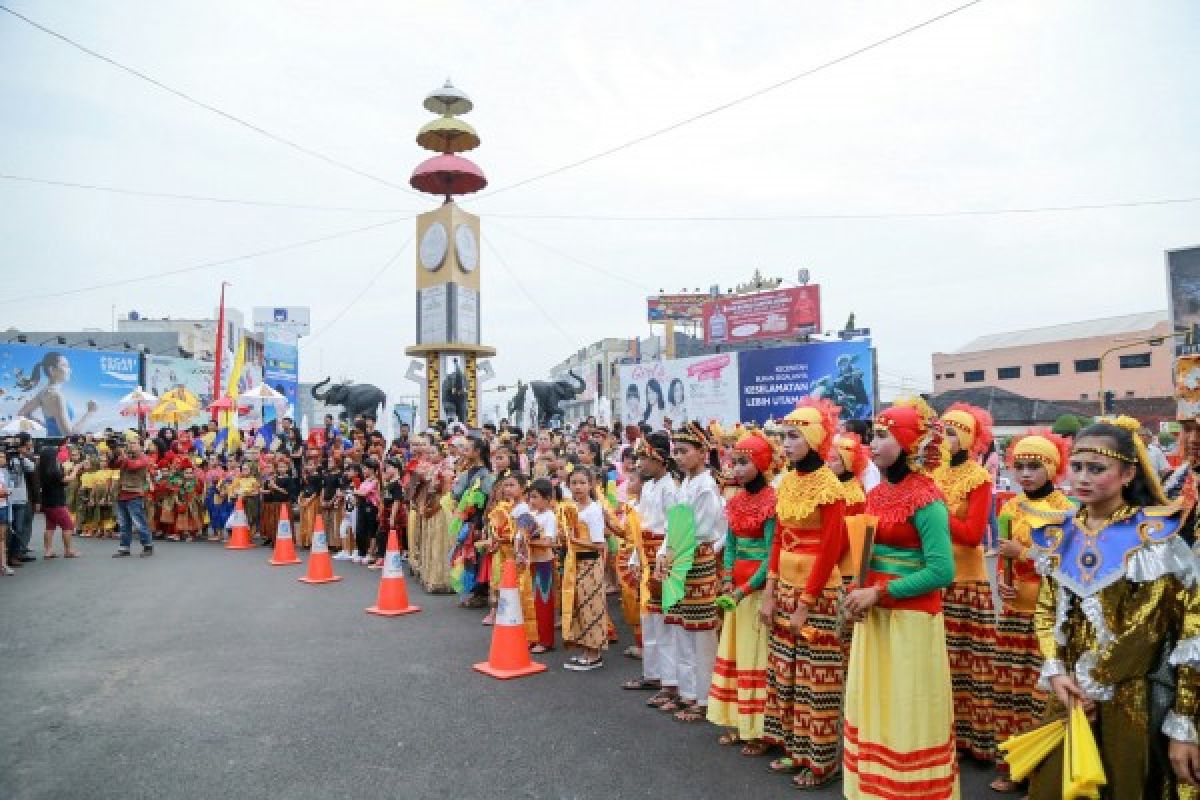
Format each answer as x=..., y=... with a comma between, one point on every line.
x=1152, y=340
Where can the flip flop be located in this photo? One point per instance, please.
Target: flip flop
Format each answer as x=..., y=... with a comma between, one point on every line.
x=640, y=684
x=784, y=766
x=49, y=556
x=70, y=555
x=805, y=781
x=729, y=739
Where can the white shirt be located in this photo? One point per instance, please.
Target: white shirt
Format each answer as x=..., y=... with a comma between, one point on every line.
x=4, y=483
x=701, y=493
x=548, y=528
x=593, y=517
x=657, y=496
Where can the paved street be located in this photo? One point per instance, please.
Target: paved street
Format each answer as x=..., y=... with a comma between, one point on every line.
x=204, y=673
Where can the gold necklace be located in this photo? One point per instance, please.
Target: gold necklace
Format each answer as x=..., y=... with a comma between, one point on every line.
x=1090, y=557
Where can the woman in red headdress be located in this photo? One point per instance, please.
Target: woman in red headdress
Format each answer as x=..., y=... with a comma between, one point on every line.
x=899, y=714
x=738, y=696
x=970, y=611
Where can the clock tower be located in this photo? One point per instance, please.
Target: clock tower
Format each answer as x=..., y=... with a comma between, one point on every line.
x=448, y=310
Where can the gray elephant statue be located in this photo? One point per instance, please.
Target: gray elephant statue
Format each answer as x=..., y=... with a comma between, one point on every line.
x=354, y=398
x=454, y=394
x=551, y=394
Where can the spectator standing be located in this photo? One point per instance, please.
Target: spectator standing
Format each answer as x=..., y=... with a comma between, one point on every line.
x=54, y=501
x=22, y=479
x=132, y=482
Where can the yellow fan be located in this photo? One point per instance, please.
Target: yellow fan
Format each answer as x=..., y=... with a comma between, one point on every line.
x=1083, y=772
x=1025, y=751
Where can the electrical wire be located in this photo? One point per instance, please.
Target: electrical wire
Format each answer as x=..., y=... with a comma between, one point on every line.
x=308, y=151
x=568, y=256
x=731, y=103
x=205, y=265
x=554, y=323
x=374, y=278
x=866, y=216
x=198, y=197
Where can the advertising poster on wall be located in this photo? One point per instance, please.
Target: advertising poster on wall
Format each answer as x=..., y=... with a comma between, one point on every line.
x=281, y=364
x=781, y=314
x=164, y=373
x=66, y=390
x=1183, y=296
x=703, y=388
x=773, y=380
x=675, y=307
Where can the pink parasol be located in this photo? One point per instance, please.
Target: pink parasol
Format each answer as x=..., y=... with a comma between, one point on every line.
x=447, y=175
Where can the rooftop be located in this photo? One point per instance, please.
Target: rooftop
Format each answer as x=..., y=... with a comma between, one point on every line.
x=1087, y=329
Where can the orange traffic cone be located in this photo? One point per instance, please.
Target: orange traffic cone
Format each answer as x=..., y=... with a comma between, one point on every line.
x=240, y=538
x=509, y=656
x=285, y=545
x=320, y=564
x=393, y=593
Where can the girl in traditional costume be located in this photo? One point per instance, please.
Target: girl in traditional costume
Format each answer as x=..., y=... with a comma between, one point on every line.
x=969, y=609
x=691, y=624
x=1116, y=599
x=585, y=614
x=899, y=719
x=805, y=668
x=1038, y=460
x=738, y=697
x=628, y=527
x=310, y=501
x=542, y=543
x=848, y=458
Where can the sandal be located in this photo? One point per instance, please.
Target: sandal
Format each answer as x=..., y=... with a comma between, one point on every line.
x=639, y=684
x=729, y=739
x=692, y=714
x=755, y=748
x=71, y=555
x=1003, y=785
x=538, y=649
x=675, y=704
x=806, y=781
x=657, y=700
x=784, y=766
x=49, y=556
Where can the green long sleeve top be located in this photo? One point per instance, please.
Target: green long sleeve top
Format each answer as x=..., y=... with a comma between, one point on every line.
x=932, y=522
x=743, y=548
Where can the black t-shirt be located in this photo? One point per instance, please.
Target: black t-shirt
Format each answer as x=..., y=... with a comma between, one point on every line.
x=283, y=494
x=330, y=483
x=393, y=492
x=54, y=490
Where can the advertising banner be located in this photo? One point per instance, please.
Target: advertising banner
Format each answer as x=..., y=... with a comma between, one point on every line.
x=678, y=307
x=292, y=318
x=164, y=373
x=773, y=380
x=702, y=388
x=281, y=364
x=780, y=314
x=1183, y=296
x=67, y=390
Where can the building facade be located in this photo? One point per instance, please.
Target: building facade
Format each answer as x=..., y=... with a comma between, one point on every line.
x=597, y=365
x=1131, y=356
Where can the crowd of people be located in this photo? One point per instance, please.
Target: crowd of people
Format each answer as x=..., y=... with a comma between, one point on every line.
x=818, y=590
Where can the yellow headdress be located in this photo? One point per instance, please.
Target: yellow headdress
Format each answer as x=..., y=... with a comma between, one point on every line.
x=816, y=419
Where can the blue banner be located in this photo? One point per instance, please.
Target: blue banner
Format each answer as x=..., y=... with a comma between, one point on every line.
x=771, y=381
x=67, y=390
x=281, y=365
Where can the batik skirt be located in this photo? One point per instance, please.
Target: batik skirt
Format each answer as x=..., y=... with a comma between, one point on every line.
x=1019, y=704
x=971, y=640
x=589, y=624
x=697, y=611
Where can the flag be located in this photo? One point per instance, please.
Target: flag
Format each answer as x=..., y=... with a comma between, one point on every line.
x=233, y=438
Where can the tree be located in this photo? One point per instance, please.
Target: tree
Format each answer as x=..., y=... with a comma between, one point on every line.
x=1066, y=425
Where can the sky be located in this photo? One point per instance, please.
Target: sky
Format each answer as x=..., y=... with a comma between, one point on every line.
x=1004, y=105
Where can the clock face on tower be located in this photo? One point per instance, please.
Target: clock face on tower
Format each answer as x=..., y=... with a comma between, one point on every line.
x=466, y=247
x=434, y=243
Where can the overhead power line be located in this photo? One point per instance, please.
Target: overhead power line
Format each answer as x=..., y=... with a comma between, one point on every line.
x=354, y=301
x=731, y=103
x=308, y=151
x=533, y=301
x=204, y=265
x=608, y=273
x=979, y=212
x=198, y=197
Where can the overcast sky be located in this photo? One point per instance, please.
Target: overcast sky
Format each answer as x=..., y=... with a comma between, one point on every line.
x=1008, y=104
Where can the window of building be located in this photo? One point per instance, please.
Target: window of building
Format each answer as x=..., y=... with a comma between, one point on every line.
x=973, y=376
x=1135, y=360
x=1129, y=393
x=938, y=376
x=1008, y=373
x=1083, y=396
x=1045, y=370
x=949, y=375
x=1087, y=365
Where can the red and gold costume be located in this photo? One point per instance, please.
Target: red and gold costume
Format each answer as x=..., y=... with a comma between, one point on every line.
x=969, y=608
x=806, y=671
x=899, y=725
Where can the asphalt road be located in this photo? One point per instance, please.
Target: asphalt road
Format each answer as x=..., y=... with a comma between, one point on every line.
x=205, y=673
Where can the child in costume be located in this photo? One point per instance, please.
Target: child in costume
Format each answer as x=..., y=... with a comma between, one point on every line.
x=1038, y=460
x=898, y=738
x=585, y=613
x=310, y=501
x=659, y=491
x=805, y=671
x=1117, y=597
x=542, y=543
x=968, y=606
x=738, y=697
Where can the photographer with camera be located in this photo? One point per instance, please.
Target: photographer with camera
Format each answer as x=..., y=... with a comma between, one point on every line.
x=134, y=480
x=22, y=498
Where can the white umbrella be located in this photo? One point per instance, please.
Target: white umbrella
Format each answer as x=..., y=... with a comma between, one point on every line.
x=139, y=395
x=23, y=425
x=264, y=394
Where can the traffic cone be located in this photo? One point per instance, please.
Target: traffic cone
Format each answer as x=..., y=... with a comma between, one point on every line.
x=285, y=545
x=393, y=593
x=239, y=539
x=320, y=564
x=509, y=656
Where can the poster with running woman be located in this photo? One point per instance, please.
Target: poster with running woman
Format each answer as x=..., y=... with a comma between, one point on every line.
x=67, y=390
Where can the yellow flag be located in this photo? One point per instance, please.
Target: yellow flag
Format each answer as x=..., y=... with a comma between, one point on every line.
x=233, y=437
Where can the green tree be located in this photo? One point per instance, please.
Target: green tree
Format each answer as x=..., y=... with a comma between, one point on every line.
x=1067, y=425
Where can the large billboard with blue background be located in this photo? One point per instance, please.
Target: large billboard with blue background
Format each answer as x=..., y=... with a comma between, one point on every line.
x=281, y=364
x=65, y=389
x=771, y=381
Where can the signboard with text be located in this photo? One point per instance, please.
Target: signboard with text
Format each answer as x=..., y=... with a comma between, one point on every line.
x=771, y=381
x=779, y=314
x=676, y=307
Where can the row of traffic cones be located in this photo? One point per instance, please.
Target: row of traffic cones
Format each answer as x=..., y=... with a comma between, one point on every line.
x=508, y=656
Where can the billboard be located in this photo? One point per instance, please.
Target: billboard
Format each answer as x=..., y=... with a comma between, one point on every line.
x=164, y=373
x=67, y=390
x=291, y=318
x=703, y=388
x=676, y=307
x=771, y=381
x=779, y=314
x=281, y=364
x=1183, y=295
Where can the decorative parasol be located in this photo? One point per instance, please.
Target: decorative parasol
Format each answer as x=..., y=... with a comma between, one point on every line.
x=449, y=101
x=23, y=425
x=138, y=410
x=139, y=395
x=447, y=175
x=448, y=135
x=173, y=411
x=183, y=395
x=264, y=394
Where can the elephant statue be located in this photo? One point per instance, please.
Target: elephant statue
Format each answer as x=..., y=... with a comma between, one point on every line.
x=454, y=394
x=550, y=394
x=354, y=398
